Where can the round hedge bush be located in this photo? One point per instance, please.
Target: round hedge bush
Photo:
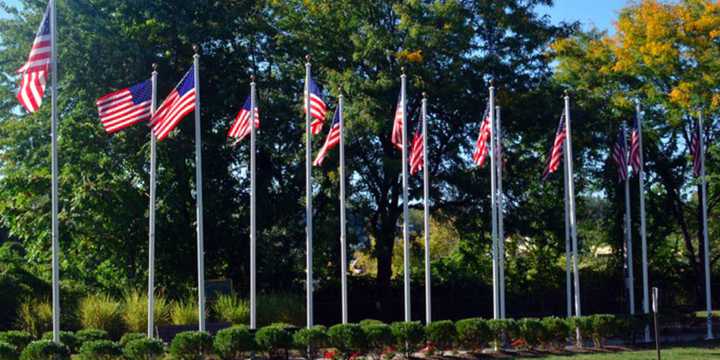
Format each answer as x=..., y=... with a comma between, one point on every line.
x=45, y=350
x=67, y=338
x=441, y=334
x=16, y=338
x=555, y=331
x=8, y=352
x=128, y=337
x=347, y=338
x=233, y=342
x=473, y=334
x=274, y=339
x=191, y=345
x=86, y=335
x=530, y=330
x=311, y=340
x=100, y=350
x=378, y=337
x=144, y=349
x=408, y=336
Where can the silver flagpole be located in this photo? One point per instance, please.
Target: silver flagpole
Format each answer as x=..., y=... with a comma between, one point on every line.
x=500, y=208
x=151, y=215
x=406, y=217
x=253, y=236
x=628, y=234
x=568, y=256
x=426, y=215
x=199, y=193
x=643, y=236
x=493, y=211
x=571, y=204
x=706, y=243
x=343, y=234
x=54, y=185
x=308, y=199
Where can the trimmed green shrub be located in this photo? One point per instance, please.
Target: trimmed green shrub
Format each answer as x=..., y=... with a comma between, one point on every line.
x=101, y=311
x=233, y=342
x=100, y=350
x=441, y=334
x=473, y=334
x=500, y=327
x=184, y=312
x=8, y=352
x=347, y=339
x=530, y=330
x=67, y=338
x=603, y=327
x=144, y=349
x=128, y=337
x=135, y=310
x=378, y=337
x=191, y=345
x=367, y=322
x=18, y=339
x=86, y=335
x=409, y=336
x=583, y=323
x=311, y=340
x=230, y=308
x=555, y=331
x=275, y=339
x=35, y=317
x=45, y=350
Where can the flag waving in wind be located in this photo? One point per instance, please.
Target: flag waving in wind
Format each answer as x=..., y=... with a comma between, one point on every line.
x=481, y=145
x=180, y=102
x=556, y=152
x=695, y=150
x=34, y=73
x=318, y=109
x=619, y=155
x=125, y=107
x=241, y=127
x=396, y=137
x=635, y=148
x=333, y=138
x=417, y=151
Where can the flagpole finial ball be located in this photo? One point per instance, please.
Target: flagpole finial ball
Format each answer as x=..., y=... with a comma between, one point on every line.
x=424, y=94
x=307, y=57
x=402, y=70
x=252, y=78
x=565, y=92
x=196, y=48
x=492, y=82
x=155, y=66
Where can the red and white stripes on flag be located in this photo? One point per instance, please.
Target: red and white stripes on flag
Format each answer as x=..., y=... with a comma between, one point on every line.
x=556, y=152
x=635, y=148
x=318, y=109
x=619, y=155
x=695, y=150
x=34, y=73
x=481, y=145
x=125, y=107
x=396, y=137
x=180, y=102
x=417, y=151
x=241, y=127
x=333, y=138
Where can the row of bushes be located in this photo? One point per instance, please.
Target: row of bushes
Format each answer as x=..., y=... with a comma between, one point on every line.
x=130, y=314
x=369, y=337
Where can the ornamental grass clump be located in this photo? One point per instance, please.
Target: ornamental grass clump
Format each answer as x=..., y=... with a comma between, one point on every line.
x=101, y=311
x=45, y=350
x=100, y=350
x=135, y=312
x=275, y=339
x=230, y=308
x=35, y=317
x=348, y=339
x=310, y=341
x=191, y=345
x=473, y=334
x=234, y=343
x=409, y=336
x=16, y=338
x=184, y=312
x=281, y=308
x=441, y=334
x=144, y=349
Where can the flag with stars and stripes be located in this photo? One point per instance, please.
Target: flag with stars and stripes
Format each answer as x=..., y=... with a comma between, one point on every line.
x=480, y=153
x=556, y=151
x=180, y=102
x=318, y=109
x=619, y=155
x=396, y=137
x=417, y=149
x=34, y=73
x=241, y=127
x=125, y=107
x=333, y=138
x=635, y=150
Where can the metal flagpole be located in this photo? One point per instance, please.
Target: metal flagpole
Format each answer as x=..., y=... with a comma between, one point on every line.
x=500, y=208
x=151, y=215
x=54, y=182
x=308, y=199
x=571, y=204
x=628, y=233
x=199, y=193
x=493, y=211
x=706, y=243
x=253, y=236
x=343, y=234
x=426, y=215
x=406, y=217
x=568, y=272
x=643, y=236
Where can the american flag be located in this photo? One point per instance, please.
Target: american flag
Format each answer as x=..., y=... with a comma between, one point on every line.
x=180, y=102
x=241, y=127
x=34, y=72
x=695, y=150
x=317, y=107
x=333, y=138
x=556, y=152
x=481, y=145
x=125, y=107
x=396, y=137
x=635, y=161
x=619, y=155
x=417, y=160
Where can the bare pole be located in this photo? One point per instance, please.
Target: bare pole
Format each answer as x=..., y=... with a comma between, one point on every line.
x=493, y=212
x=406, y=216
x=426, y=214
x=706, y=243
x=571, y=204
x=151, y=215
x=500, y=209
x=253, y=210
x=568, y=249
x=308, y=199
x=199, y=193
x=54, y=181
x=628, y=233
x=343, y=234
x=643, y=235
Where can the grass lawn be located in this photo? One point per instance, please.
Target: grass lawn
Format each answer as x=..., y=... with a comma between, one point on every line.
x=670, y=353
